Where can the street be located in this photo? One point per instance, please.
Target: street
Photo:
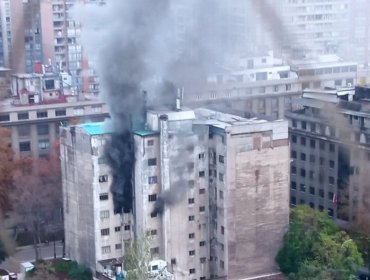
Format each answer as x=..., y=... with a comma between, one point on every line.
x=27, y=254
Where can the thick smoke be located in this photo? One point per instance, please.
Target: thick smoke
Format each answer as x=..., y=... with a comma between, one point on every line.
x=131, y=45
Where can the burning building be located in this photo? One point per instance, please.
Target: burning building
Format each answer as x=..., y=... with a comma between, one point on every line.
x=210, y=188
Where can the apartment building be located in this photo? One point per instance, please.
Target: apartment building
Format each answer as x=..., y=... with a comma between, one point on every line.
x=211, y=190
x=38, y=107
x=330, y=152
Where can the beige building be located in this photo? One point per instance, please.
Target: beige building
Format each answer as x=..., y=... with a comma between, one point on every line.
x=211, y=189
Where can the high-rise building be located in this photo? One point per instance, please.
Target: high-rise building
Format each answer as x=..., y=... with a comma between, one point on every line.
x=210, y=188
x=329, y=138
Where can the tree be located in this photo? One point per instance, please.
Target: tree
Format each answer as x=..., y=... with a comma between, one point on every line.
x=37, y=193
x=6, y=168
x=136, y=259
x=315, y=248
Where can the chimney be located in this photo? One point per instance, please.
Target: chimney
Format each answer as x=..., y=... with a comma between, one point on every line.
x=179, y=99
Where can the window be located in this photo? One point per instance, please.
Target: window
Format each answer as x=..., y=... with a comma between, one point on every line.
x=312, y=174
x=321, y=193
x=191, y=270
x=192, y=253
x=42, y=129
x=44, y=144
x=294, y=154
x=102, y=160
x=293, y=200
x=312, y=158
x=303, y=172
x=152, y=180
x=4, y=118
x=313, y=127
x=303, y=125
x=104, y=232
x=202, y=208
x=322, y=145
x=222, y=230
x=150, y=142
x=153, y=214
x=191, y=200
x=322, y=161
x=96, y=109
x=202, y=260
x=127, y=227
x=24, y=130
x=222, y=264
x=331, y=163
x=294, y=138
x=293, y=170
x=332, y=148
x=221, y=177
x=221, y=193
x=312, y=143
x=201, y=156
x=201, y=173
x=78, y=111
x=202, y=191
x=23, y=116
x=191, y=235
x=312, y=190
x=191, y=218
x=59, y=113
x=294, y=123
x=42, y=114
x=118, y=246
x=330, y=212
x=152, y=162
x=312, y=205
x=221, y=159
x=288, y=87
x=303, y=156
x=104, y=214
x=222, y=246
x=302, y=187
x=331, y=180
x=202, y=243
x=25, y=146
x=303, y=141
x=152, y=197
x=49, y=84
x=105, y=250
x=293, y=185
x=117, y=229
x=103, y=196
x=153, y=232
x=103, y=178
x=330, y=195
x=154, y=251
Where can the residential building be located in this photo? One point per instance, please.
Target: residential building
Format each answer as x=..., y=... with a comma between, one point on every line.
x=38, y=106
x=330, y=139
x=211, y=189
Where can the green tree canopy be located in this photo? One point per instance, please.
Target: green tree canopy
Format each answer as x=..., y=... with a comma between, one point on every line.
x=315, y=248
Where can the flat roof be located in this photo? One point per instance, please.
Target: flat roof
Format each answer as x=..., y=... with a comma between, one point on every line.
x=144, y=133
x=97, y=128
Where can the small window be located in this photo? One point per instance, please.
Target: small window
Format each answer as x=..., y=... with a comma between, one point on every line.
x=331, y=180
x=201, y=174
x=293, y=185
x=222, y=264
x=293, y=200
x=127, y=227
x=103, y=178
x=293, y=169
x=332, y=148
x=154, y=251
x=303, y=172
x=59, y=113
x=303, y=141
x=42, y=129
x=192, y=271
x=322, y=145
x=201, y=155
x=78, y=111
x=312, y=143
x=331, y=163
x=294, y=123
x=192, y=253
x=221, y=159
x=222, y=230
x=321, y=193
x=312, y=190
x=105, y=250
x=153, y=214
x=103, y=196
x=25, y=146
x=152, y=162
x=202, y=209
x=102, y=160
x=117, y=229
x=294, y=138
x=104, y=232
x=330, y=212
x=152, y=197
x=104, y=214
x=42, y=114
x=303, y=156
x=118, y=246
x=221, y=177
x=202, y=191
x=303, y=125
x=153, y=232
x=23, y=116
x=150, y=142
x=203, y=260
x=191, y=218
x=221, y=194
x=191, y=235
x=313, y=127
x=293, y=154
x=153, y=180
x=202, y=243
x=4, y=118
x=191, y=201
x=312, y=158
